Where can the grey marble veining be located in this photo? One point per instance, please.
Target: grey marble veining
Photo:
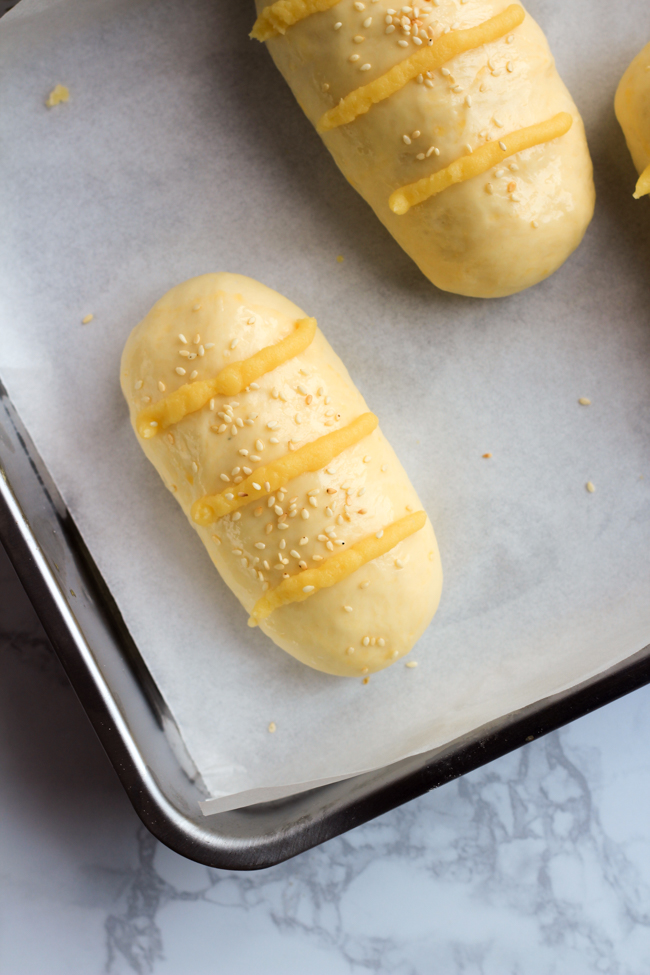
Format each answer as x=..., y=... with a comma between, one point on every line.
x=536, y=864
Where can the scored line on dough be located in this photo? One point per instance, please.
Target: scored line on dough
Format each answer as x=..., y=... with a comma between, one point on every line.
x=234, y=378
x=338, y=567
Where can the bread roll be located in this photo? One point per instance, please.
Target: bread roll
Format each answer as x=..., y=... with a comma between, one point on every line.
x=255, y=426
x=453, y=124
x=632, y=105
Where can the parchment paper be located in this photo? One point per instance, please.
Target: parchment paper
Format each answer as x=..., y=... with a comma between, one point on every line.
x=181, y=151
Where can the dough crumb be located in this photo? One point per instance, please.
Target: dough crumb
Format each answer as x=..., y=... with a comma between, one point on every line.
x=58, y=94
x=590, y=487
x=340, y=258
x=584, y=401
x=272, y=727
x=487, y=456
x=86, y=319
x=366, y=680
x=411, y=664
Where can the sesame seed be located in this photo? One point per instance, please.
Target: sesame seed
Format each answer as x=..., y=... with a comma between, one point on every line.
x=283, y=525
x=348, y=609
x=180, y=370
x=224, y=477
x=313, y=501
x=365, y=67
x=358, y=39
x=367, y=22
x=243, y=452
x=267, y=486
x=366, y=641
x=229, y=497
x=354, y=57
x=184, y=353
x=420, y=156
x=406, y=140
x=367, y=458
x=255, y=458
x=380, y=533
x=201, y=350
x=361, y=492
x=399, y=564
x=584, y=401
x=308, y=588
x=278, y=510
x=364, y=585
x=402, y=43
x=381, y=642
x=161, y=386
x=256, y=486
x=197, y=339
x=590, y=487
x=304, y=514
x=259, y=445
x=275, y=392
x=384, y=468
x=208, y=345
x=273, y=440
x=269, y=528
x=298, y=418
x=273, y=425
x=510, y=66
x=350, y=651
x=222, y=428
x=411, y=664
x=234, y=430
x=254, y=386
x=468, y=101
x=258, y=511
x=503, y=146
x=317, y=558
x=236, y=516
x=282, y=544
x=338, y=25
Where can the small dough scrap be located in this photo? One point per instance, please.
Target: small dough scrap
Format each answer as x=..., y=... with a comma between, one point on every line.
x=58, y=94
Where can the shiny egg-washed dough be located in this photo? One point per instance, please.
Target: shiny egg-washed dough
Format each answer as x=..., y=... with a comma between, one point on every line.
x=632, y=105
x=472, y=239
x=392, y=598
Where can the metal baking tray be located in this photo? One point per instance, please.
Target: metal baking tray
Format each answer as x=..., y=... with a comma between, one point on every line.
x=136, y=729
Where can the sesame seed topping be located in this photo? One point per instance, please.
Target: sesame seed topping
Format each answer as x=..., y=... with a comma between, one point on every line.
x=590, y=487
x=367, y=458
x=406, y=139
x=229, y=497
x=304, y=514
x=267, y=487
x=510, y=67
x=358, y=39
x=269, y=528
x=584, y=401
x=234, y=430
x=348, y=609
x=381, y=642
x=273, y=440
x=273, y=425
x=380, y=533
x=354, y=57
x=366, y=641
x=208, y=345
x=338, y=25
x=236, y=516
x=402, y=43
x=243, y=452
x=197, y=339
x=503, y=146
x=399, y=564
x=411, y=664
x=180, y=370
x=365, y=67
x=308, y=588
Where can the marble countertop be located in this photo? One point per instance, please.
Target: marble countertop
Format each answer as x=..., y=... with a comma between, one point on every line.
x=536, y=864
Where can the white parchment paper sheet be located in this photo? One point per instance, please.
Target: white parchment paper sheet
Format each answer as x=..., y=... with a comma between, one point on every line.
x=181, y=151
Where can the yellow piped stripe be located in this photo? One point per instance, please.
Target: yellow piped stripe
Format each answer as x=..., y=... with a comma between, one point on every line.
x=232, y=380
x=429, y=58
x=266, y=480
x=279, y=16
x=643, y=185
x=480, y=161
x=338, y=567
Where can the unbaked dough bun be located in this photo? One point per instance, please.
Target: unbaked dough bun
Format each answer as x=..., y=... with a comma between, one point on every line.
x=453, y=124
x=256, y=428
x=632, y=105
